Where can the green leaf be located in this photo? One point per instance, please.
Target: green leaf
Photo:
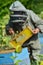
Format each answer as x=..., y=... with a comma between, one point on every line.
x=13, y=57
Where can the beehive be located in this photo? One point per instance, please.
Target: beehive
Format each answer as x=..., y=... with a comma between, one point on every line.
x=41, y=62
x=21, y=38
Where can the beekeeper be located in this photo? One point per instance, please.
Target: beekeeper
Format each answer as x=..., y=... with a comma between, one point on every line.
x=25, y=17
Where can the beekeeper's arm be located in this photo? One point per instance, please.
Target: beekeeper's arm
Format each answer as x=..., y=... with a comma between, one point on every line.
x=37, y=21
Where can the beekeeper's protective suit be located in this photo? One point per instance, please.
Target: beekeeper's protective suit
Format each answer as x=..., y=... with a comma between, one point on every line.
x=21, y=14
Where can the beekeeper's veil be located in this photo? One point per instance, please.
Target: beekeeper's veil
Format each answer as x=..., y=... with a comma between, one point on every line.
x=18, y=12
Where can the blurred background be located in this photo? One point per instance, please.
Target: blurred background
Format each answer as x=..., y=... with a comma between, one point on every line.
x=37, y=7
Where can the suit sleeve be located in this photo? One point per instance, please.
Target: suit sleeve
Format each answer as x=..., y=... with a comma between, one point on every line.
x=37, y=20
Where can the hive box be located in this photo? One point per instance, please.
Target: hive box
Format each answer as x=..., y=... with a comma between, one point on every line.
x=5, y=59
x=19, y=39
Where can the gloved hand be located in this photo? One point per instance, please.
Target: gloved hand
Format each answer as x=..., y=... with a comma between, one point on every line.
x=35, y=31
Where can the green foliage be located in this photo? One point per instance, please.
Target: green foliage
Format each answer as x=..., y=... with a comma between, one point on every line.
x=4, y=39
x=15, y=62
x=13, y=57
x=4, y=6
x=41, y=14
x=35, y=5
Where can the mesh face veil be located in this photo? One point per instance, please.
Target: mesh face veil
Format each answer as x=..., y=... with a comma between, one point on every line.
x=18, y=12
